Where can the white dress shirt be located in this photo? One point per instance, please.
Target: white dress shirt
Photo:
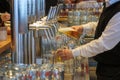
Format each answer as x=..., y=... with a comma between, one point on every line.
x=109, y=39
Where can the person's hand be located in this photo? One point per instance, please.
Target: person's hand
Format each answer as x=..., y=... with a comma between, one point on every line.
x=64, y=54
x=5, y=16
x=100, y=0
x=79, y=29
x=68, y=1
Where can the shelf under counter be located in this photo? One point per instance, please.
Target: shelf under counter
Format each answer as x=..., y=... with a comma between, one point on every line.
x=4, y=45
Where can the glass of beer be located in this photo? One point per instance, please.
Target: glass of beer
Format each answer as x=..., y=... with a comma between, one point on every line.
x=70, y=32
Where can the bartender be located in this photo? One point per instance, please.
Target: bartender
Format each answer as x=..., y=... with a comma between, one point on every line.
x=105, y=48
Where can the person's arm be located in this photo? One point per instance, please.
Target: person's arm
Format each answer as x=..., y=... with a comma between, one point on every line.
x=5, y=16
x=89, y=27
x=108, y=40
x=67, y=54
x=85, y=28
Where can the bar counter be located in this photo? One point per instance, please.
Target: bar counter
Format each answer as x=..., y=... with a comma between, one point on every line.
x=4, y=45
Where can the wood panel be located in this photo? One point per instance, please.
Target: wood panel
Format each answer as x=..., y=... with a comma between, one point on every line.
x=4, y=45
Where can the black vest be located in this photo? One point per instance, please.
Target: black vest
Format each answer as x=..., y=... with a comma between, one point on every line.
x=110, y=57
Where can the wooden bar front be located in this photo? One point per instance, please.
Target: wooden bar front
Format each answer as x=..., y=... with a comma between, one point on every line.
x=4, y=45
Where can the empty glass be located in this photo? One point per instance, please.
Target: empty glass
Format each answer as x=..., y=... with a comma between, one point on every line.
x=3, y=33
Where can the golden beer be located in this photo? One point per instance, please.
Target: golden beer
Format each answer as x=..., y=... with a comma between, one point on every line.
x=70, y=32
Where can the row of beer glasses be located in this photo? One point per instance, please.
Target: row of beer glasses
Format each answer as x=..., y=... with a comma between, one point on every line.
x=84, y=12
x=32, y=72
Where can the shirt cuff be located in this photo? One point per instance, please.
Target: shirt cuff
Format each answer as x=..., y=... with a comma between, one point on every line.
x=76, y=52
x=86, y=28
